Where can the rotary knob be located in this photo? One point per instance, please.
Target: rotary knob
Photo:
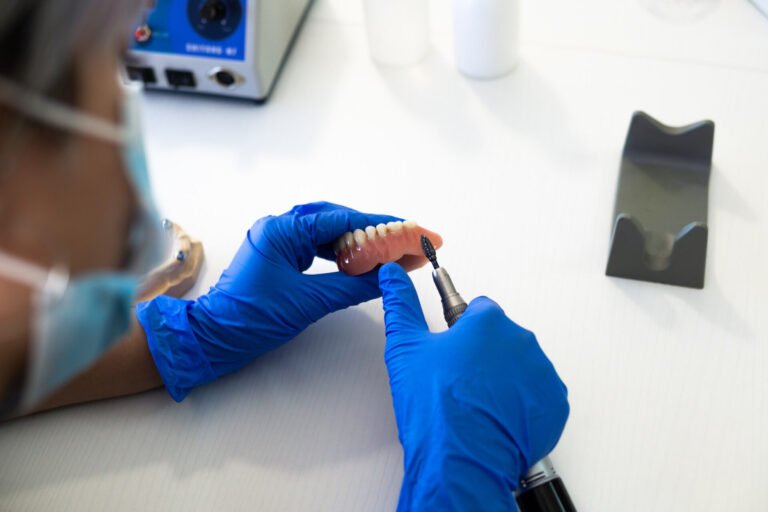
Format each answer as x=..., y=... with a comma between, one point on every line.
x=213, y=10
x=215, y=20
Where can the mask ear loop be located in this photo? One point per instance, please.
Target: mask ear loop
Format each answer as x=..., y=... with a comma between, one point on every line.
x=52, y=281
x=57, y=115
x=11, y=328
x=50, y=286
x=50, y=113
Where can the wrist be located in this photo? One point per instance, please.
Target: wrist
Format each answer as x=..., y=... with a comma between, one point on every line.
x=178, y=356
x=459, y=459
x=450, y=476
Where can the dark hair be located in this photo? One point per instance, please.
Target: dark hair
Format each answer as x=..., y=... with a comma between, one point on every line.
x=42, y=41
x=17, y=37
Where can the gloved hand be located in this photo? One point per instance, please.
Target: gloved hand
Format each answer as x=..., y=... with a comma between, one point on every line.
x=476, y=405
x=261, y=301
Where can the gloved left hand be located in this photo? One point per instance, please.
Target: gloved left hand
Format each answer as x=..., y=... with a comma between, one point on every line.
x=261, y=301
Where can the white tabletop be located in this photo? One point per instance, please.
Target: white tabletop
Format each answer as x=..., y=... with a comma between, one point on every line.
x=668, y=386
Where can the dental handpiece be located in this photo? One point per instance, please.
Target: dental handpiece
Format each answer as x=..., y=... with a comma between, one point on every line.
x=541, y=489
x=453, y=304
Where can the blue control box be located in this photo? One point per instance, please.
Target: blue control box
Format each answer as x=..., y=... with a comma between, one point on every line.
x=195, y=28
x=230, y=48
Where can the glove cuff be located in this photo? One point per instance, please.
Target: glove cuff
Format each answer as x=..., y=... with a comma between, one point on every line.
x=180, y=360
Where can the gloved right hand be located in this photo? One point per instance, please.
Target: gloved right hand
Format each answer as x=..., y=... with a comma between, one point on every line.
x=475, y=405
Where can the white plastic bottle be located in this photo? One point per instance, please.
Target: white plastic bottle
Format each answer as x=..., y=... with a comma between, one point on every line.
x=486, y=37
x=398, y=30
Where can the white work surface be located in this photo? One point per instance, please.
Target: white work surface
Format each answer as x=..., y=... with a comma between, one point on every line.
x=668, y=386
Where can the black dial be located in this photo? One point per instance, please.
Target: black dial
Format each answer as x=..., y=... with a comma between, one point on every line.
x=213, y=10
x=215, y=19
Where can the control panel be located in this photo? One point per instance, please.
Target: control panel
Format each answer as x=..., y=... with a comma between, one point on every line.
x=209, y=28
x=223, y=47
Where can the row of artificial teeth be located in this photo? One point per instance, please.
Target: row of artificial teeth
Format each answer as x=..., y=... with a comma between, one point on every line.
x=360, y=237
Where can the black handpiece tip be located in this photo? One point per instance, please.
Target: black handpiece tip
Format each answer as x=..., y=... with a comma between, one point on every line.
x=429, y=251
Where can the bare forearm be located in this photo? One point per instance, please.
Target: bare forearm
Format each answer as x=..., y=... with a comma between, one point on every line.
x=127, y=369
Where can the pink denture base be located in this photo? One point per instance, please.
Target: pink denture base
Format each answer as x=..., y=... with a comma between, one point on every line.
x=402, y=245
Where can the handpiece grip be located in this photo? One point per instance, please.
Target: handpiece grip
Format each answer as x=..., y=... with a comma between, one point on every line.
x=541, y=489
x=551, y=496
x=453, y=304
x=454, y=313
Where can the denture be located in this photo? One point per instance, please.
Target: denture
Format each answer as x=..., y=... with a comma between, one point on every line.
x=360, y=251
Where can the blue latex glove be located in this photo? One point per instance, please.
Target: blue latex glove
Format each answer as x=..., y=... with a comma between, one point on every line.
x=261, y=301
x=475, y=405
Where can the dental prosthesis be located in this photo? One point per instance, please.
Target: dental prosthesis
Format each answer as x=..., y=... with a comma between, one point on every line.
x=361, y=251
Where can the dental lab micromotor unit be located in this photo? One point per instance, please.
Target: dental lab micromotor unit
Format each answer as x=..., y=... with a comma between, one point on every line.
x=232, y=48
x=541, y=489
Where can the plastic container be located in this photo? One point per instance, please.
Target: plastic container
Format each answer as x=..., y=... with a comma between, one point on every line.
x=398, y=30
x=486, y=37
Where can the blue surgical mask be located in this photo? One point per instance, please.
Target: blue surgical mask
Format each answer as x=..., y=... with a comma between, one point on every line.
x=77, y=319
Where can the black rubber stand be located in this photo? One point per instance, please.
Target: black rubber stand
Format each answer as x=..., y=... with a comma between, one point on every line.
x=660, y=218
